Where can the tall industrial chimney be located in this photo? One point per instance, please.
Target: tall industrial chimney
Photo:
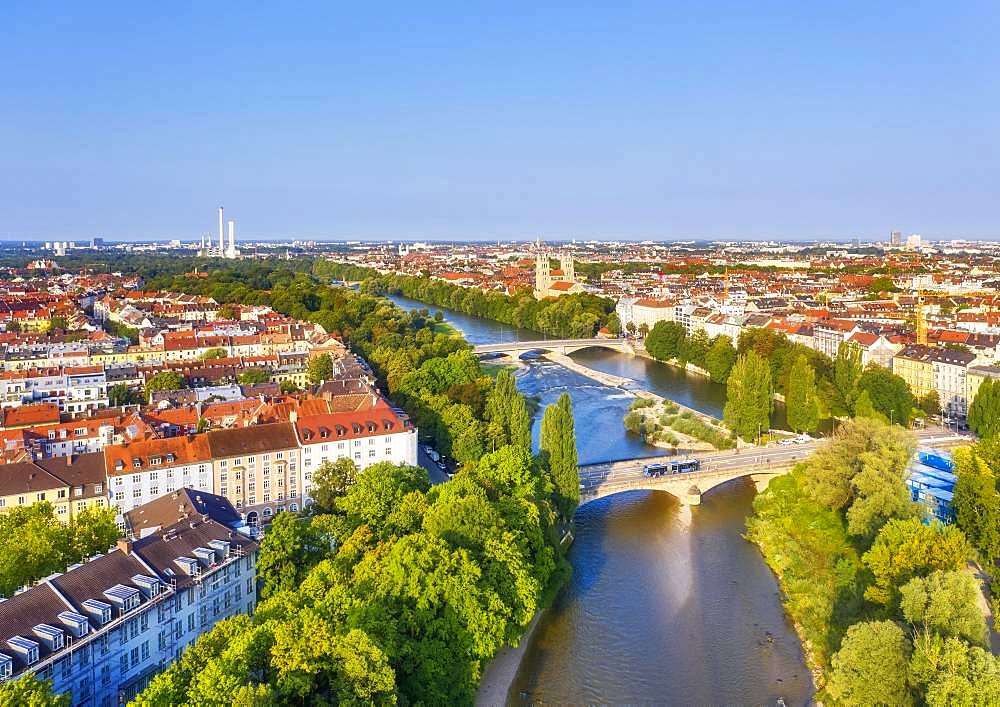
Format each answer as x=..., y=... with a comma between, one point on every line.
x=222, y=240
x=232, y=239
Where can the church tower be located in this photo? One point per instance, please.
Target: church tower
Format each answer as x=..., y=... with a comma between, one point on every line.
x=543, y=274
x=566, y=265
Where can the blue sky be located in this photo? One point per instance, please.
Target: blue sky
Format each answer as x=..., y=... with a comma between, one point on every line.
x=500, y=120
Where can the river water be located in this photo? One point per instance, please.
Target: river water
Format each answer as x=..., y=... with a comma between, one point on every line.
x=667, y=604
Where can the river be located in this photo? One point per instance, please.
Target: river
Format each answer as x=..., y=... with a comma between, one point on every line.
x=667, y=603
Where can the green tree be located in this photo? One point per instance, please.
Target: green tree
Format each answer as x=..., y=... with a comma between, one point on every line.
x=58, y=323
x=254, y=376
x=614, y=324
x=213, y=353
x=331, y=481
x=226, y=311
x=378, y=492
x=557, y=445
x=847, y=371
x=889, y=393
x=506, y=413
x=871, y=667
x=951, y=673
x=749, y=396
x=94, y=530
x=930, y=403
x=120, y=394
x=882, y=284
x=164, y=380
x=905, y=549
x=29, y=691
x=720, y=358
x=801, y=398
x=288, y=386
x=984, y=412
x=320, y=368
x=946, y=602
x=694, y=348
x=976, y=501
x=312, y=659
x=862, y=472
x=287, y=552
x=863, y=408
x=665, y=340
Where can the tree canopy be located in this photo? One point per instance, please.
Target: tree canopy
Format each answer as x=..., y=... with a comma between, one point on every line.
x=749, y=397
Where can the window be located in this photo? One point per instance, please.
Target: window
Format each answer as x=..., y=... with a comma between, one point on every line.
x=119, y=495
x=145, y=650
x=191, y=622
x=357, y=455
x=124, y=664
x=135, y=656
x=388, y=452
x=371, y=452
x=61, y=494
x=40, y=496
x=137, y=492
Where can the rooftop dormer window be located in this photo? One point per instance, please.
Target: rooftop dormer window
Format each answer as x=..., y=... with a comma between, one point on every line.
x=155, y=460
x=137, y=462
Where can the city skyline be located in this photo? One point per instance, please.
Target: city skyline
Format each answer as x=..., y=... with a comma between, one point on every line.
x=646, y=123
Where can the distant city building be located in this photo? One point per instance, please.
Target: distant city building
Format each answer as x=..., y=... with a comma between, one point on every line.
x=895, y=239
x=913, y=242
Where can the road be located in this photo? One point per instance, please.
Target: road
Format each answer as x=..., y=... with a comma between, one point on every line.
x=593, y=474
x=437, y=476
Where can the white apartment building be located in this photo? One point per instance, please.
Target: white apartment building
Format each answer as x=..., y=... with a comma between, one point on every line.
x=366, y=437
x=142, y=470
x=644, y=310
x=76, y=390
x=103, y=629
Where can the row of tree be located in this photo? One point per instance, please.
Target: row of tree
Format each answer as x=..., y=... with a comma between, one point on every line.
x=34, y=543
x=888, y=613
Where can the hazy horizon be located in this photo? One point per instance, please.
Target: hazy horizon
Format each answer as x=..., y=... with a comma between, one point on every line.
x=652, y=121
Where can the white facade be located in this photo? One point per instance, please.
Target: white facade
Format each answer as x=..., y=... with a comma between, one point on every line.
x=639, y=311
x=155, y=597
x=133, y=487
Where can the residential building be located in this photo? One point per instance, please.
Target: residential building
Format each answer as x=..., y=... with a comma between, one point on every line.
x=103, y=629
x=644, y=310
x=927, y=368
x=142, y=470
x=257, y=469
x=366, y=437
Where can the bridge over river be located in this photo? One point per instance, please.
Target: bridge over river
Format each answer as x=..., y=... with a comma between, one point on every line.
x=759, y=463
x=561, y=346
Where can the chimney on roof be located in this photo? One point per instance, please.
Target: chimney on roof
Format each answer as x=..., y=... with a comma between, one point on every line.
x=69, y=460
x=293, y=416
x=125, y=545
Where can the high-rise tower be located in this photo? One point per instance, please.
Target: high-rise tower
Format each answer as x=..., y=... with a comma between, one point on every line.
x=222, y=240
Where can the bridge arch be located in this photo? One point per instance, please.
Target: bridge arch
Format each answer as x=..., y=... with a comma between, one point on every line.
x=688, y=488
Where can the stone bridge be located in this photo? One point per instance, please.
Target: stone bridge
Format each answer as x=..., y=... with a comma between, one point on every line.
x=687, y=487
x=562, y=346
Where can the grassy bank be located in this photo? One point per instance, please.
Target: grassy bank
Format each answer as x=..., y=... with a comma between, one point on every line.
x=807, y=547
